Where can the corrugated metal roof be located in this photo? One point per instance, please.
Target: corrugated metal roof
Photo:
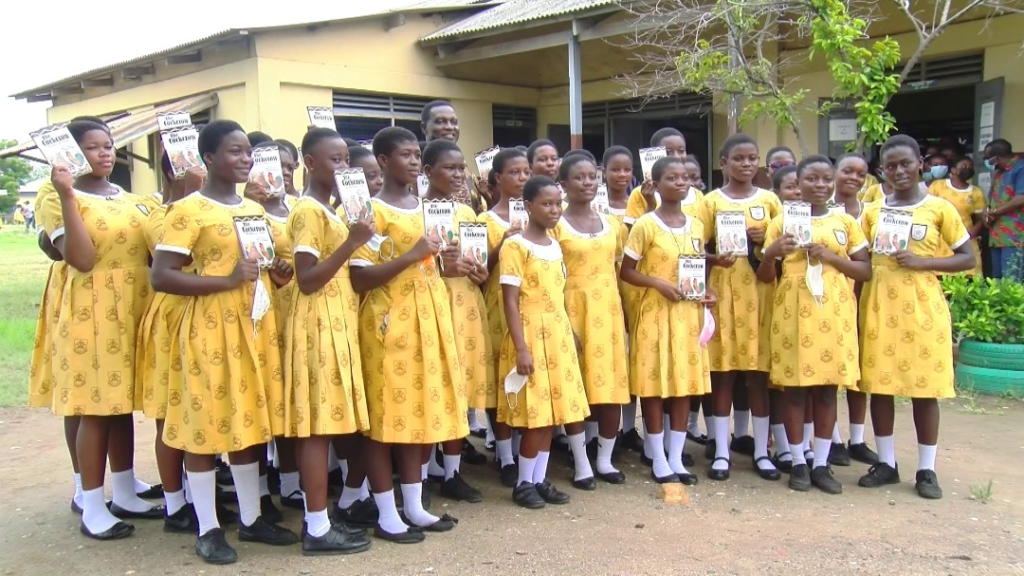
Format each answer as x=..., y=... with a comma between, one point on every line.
x=514, y=12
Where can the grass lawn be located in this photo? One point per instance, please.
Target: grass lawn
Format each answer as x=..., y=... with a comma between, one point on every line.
x=21, y=289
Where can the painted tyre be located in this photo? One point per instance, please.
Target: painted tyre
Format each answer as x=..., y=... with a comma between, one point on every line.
x=988, y=355
x=989, y=381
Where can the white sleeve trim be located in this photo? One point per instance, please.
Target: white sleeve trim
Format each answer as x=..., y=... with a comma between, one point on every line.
x=308, y=250
x=858, y=247
x=629, y=252
x=174, y=249
x=628, y=220
x=510, y=280
x=56, y=234
x=963, y=240
x=359, y=263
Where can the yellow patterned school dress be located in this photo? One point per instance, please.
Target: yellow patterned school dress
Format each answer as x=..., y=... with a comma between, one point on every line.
x=739, y=343
x=415, y=392
x=281, y=297
x=230, y=395
x=666, y=359
x=324, y=392
x=495, y=306
x=554, y=394
x=905, y=330
x=594, y=307
x=472, y=332
x=93, y=363
x=40, y=376
x=816, y=344
x=969, y=204
x=149, y=202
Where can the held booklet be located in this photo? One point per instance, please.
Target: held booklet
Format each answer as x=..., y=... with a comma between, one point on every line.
x=321, y=117
x=600, y=203
x=517, y=213
x=60, y=149
x=422, y=185
x=892, y=234
x=648, y=156
x=439, y=219
x=173, y=121
x=182, y=147
x=485, y=159
x=692, y=279
x=256, y=239
x=354, y=193
x=473, y=241
x=266, y=170
x=796, y=220
x=731, y=233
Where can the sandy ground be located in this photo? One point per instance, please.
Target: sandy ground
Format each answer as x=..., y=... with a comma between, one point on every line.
x=743, y=526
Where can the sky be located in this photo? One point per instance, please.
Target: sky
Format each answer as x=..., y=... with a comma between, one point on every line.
x=92, y=36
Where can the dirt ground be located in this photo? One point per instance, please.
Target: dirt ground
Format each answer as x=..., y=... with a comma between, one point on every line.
x=743, y=526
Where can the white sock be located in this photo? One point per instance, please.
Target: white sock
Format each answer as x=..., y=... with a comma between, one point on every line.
x=760, y=436
x=77, y=498
x=676, y=442
x=489, y=438
x=856, y=434
x=577, y=444
x=187, y=487
x=590, y=430
x=517, y=439
x=247, y=487
x=343, y=464
x=95, y=516
x=332, y=459
x=272, y=452
x=721, y=445
x=364, y=490
x=822, y=446
x=412, y=506
x=693, y=424
x=204, y=491
x=741, y=422
x=709, y=425
x=472, y=421
x=504, y=448
x=264, y=487
x=798, y=458
x=926, y=457
x=886, y=449
x=290, y=484
x=605, y=446
x=140, y=486
x=837, y=438
x=540, y=469
x=122, y=485
x=782, y=450
x=317, y=523
x=424, y=470
x=433, y=468
x=628, y=416
x=526, y=466
x=349, y=496
x=175, y=501
x=808, y=435
x=647, y=443
x=451, y=465
x=660, y=467
x=388, y=518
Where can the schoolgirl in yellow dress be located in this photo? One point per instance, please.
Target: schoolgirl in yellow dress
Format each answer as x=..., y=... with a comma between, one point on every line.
x=414, y=384
x=968, y=200
x=324, y=397
x=539, y=351
x=814, y=316
x=445, y=168
x=644, y=198
x=668, y=363
x=99, y=233
x=618, y=175
x=739, y=348
x=230, y=396
x=905, y=328
x=591, y=245
x=510, y=171
x=543, y=158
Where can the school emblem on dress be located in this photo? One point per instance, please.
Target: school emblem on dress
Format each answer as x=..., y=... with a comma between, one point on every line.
x=757, y=212
x=841, y=237
x=918, y=231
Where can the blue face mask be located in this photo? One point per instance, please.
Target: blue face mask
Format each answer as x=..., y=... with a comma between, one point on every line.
x=990, y=164
x=939, y=172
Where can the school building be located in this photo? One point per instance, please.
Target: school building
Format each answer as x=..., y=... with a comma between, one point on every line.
x=515, y=70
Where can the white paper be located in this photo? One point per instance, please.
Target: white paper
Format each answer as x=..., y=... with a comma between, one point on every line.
x=648, y=156
x=321, y=117
x=601, y=203
x=988, y=114
x=173, y=120
x=842, y=130
x=985, y=135
x=354, y=193
x=517, y=213
x=422, y=184
x=485, y=159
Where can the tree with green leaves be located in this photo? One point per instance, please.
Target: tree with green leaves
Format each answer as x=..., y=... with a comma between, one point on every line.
x=14, y=172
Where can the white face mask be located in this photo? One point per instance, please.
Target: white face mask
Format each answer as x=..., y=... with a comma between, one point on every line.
x=815, y=282
x=260, y=301
x=709, y=328
x=514, y=383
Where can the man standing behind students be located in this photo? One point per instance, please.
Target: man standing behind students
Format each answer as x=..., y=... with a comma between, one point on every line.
x=1006, y=209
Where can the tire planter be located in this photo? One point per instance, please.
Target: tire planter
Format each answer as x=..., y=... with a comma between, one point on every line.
x=989, y=380
x=995, y=356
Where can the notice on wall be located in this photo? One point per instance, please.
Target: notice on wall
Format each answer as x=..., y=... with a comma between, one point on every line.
x=988, y=114
x=842, y=130
x=985, y=135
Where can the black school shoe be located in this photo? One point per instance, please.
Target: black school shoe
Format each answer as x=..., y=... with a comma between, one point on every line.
x=455, y=488
x=742, y=445
x=335, y=541
x=362, y=514
x=822, y=477
x=719, y=475
x=413, y=535
x=769, y=473
x=863, y=453
x=183, y=521
x=155, y=491
x=509, y=475
x=293, y=500
x=800, y=478
x=154, y=513
x=550, y=494
x=273, y=479
x=632, y=441
x=268, y=511
x=266, y=532
x=783, y=466
x=927, y=485
x=880, y=475
x=116, y=532
x=839, y=455
x=526, y=496
x=470, y=455
x=213, y=548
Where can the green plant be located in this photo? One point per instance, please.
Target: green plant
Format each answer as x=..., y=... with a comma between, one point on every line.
x=982, y=493
x=986, y=310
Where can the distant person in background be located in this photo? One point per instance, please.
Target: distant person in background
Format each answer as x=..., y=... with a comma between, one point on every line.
x=30, y=216
x=1006, y=209
x=256, y=138
x=439, y=121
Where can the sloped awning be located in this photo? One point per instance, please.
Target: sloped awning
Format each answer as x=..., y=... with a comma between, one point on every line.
x=130, y=127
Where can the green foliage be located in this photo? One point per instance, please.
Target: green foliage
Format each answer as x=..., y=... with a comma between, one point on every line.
x=987, y=309
x=14, y=172
x=861, y=74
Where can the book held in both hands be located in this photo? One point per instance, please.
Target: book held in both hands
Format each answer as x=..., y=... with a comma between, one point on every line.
x=439, y=219
x=731, y=233
x=692, y=278
x=256, y=240
x=893, y=231
x=354, y=193
x=266, y=170
x=473, y=241
x=796, y=220
x=60, y=149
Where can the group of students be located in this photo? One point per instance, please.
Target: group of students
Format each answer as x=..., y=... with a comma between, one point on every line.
x=369, y=340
